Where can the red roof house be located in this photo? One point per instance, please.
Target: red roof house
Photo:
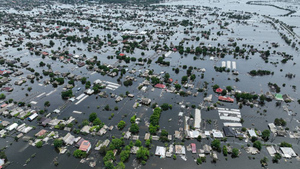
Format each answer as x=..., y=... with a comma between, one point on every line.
x=226, y=99
x=219, y=90
x=193, y=145
x=161, y=86
x=85, y=146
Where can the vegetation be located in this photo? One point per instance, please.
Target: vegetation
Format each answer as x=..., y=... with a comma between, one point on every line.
x=2, y=96
x=279, y=122
x=142, y=153
x=285, y=144
x=276, y=158
x=164, y=135
x=199, y=138
x=124, y=155
x=92, y=116
x=58, y=143
x=66, y=94
x=154, y=120
x=116, y=144
x=274, y=85
x=235, y=152
x=257, y=144
x=225, y=152
x=245, y=96
x=266, y=134
x=121, y=125
x=166, y=106
x=47, y=104
x=134, y=128
x=260, y=72
x=264, y=161
x=39, y=144
x=216, y=145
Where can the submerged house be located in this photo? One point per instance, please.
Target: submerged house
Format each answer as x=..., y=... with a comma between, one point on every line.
x=85, y=146
x=226, y=99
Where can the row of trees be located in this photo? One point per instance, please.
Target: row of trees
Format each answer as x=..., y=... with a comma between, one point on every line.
x=154, y=120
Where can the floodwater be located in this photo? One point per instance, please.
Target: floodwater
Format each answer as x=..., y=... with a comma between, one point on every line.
x=254, y=34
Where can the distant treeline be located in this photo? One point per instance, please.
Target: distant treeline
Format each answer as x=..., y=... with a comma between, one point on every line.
x=265, y=3
x=260, y=72
x=110, y=1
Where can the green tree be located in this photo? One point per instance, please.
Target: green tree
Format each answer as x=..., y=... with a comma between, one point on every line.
x=121, y=125
x=124, y=155
x=58, y=143
x=215, y=87
x=225, y=152
x=66, y=94
x=97, y=121
x=120, y=165
x=199, y=138
x=165, y=106
x=132, y=119
x=229, y=88
x=235, y=152
x=285, y=144
x=142, y=153
x=279, y=122
x=224, y=92
x=92, y=116
x=47, y=104
x=266, y=135
x=103, y=150
x=83, y=80
x=148, y=143
x=107, y=107
x=152, y=129
x=276, y=158
x=109, y=165
x=257, y=144
x=177, y=86
x=39, y=144
x=116, y=144
x=51, y=43
x=264, y=161
x=134, y=128
x=155, y=80
x=166, y=77
x=138, y=143
x=216, y=145
x=109, y=156
x=164, y=135
x=184, y=79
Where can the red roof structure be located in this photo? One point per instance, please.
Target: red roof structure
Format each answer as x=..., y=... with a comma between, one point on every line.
x=161, y=86
x=41, y=133
x=193, y=148
x=45, y=53
x=3, y=105
x=7, y=89
x=226, y=99
x=219, y=90
x=2, y=72
x=85, y=146
x=121, y=54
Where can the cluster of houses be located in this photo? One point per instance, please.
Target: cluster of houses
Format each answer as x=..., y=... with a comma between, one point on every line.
x=79, y=142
